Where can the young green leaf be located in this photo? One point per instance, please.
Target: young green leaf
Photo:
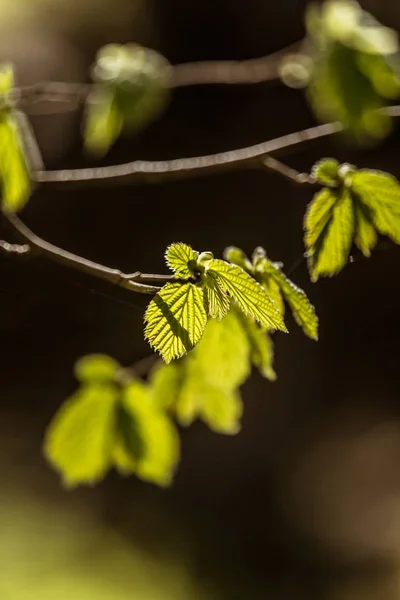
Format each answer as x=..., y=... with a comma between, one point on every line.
x=261, y=346
x=216, y=299
x=329, y=231
x=79, y=439
x=164, y=383
x=96, y=368
x=380, y=193
x=325, y=171
x=103, y=123
x=175, y=320
x=366, y=236
x=147, y=441
x=181, y=259
x=221, y=410
x=15, y=181
x=302, y=309
x=249, y=295
x=222, y=356
x=236, y=256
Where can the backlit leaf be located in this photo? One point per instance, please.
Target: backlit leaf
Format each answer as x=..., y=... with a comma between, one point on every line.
x=96, y=368
x=302, y=309
x=14, y=174
x=147, y=441
x=261, y=347
x=103, y=122
x=222, y=410
x=181, y=259
x=366, y=236
x=329, y=231
x=79, y=439
x=380, y=193
x=326, y=171
x=217, y=300
x=165, y=381
x=249, y=295
x=175, y=320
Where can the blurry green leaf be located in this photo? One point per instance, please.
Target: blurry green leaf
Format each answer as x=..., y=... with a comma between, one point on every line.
x=350, y=65
x=217, y=300
x=14, y=173
x=79, y=439
x=221, y=410
x=132, y=91
x=96, y=368
x=175, y=320
x=329, y=231
x=366, y=236
x=237, y=257
x=181, y=259
x=222, y=356
x=325, y=171
x=249, y=295
x=380, y=193
x=274, y=292
x=261, y=346
x=164, y=382
x=104, y=121
x=15, y=181
x=147, y=440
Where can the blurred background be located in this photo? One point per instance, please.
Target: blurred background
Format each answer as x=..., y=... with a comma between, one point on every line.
x=305, y=501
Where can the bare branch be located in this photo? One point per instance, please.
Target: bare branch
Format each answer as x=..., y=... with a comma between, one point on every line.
x=275, y=165
x=134, y=282
x=18, y=249
x=156, y=171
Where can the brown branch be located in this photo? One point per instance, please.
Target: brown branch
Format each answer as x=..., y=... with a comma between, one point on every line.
x=135, y=282
x=156, y=171
x=229, y=72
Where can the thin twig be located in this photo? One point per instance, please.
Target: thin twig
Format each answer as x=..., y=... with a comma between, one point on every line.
x=225, y=72
x=156, y=171
x=18, y=249
x=300, y=178
x=115, y=276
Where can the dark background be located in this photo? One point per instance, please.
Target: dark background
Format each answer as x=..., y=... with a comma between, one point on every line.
x=305, y=501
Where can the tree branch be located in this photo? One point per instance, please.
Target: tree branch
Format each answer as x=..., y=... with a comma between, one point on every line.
x=135, y=282
x=157, y=171
x=228, y=72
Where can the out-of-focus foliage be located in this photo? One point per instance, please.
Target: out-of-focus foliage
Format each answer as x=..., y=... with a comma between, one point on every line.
x=358, y=205
x=131, y=89
x=177, y=316
x=14, y=176
x=111, y=420
x=350, y=65
x=49, y=553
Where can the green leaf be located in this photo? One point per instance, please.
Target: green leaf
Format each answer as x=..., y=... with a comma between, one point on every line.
x=329, y=231
x=14, y=172
x=380, y=193
x=181, y=259
x=261, y=347
x=353, y=70
x=96, y=368
x=216, y=299
x=79, y=439
x=302, y=309
x=221, y=410
x=165, y=381
x=147, y=440
x=274, y=292
x=237, y=257
x=175, y=320
x=249, y=295
x=326, y=171
x=366, y=236
x=222, y=356
x=131, y=90
x=103, y=123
